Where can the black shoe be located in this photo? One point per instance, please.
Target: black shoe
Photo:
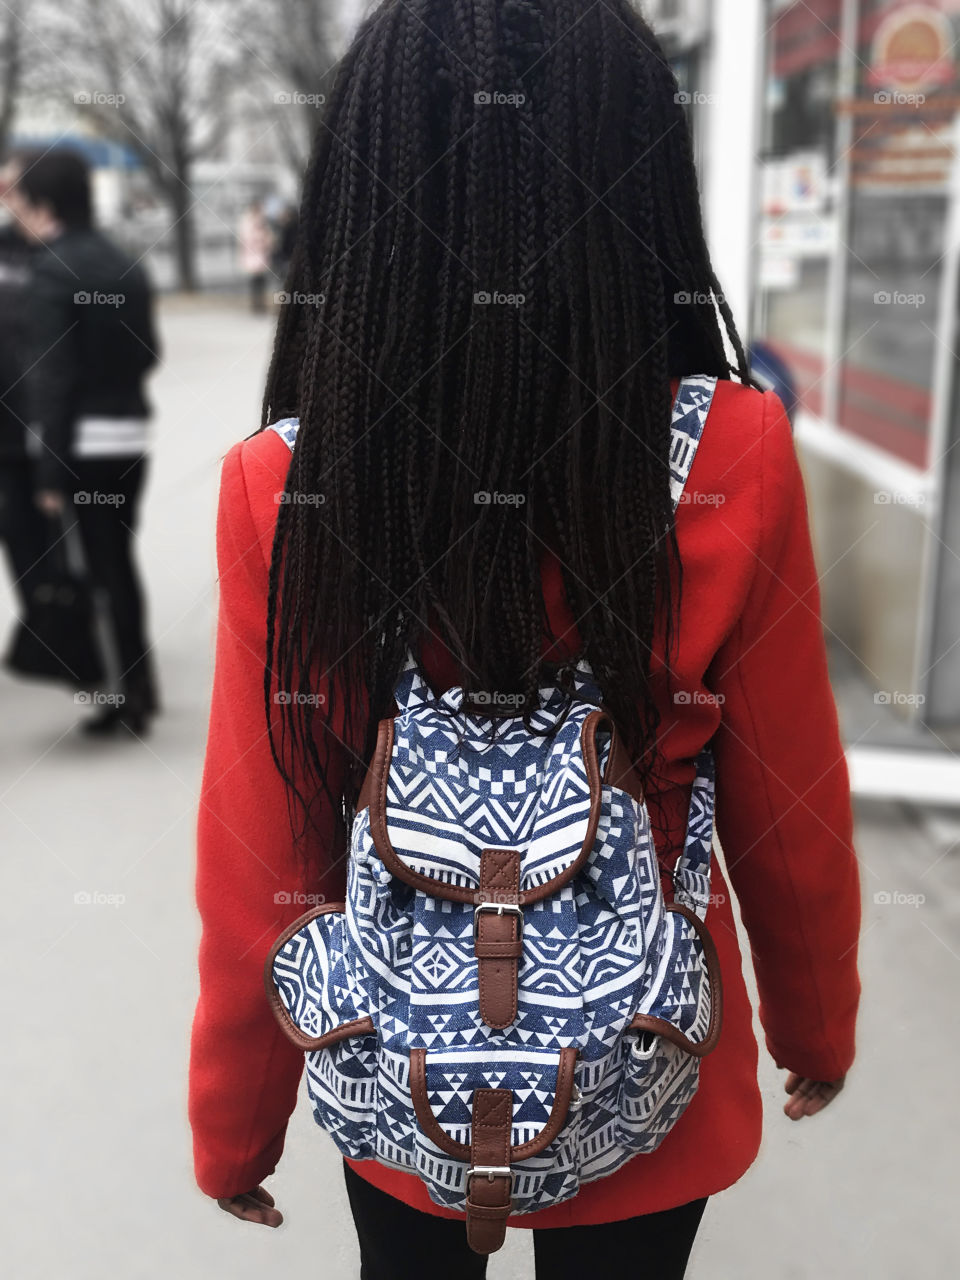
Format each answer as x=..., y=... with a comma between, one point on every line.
x=140, y=687
x=128, y=713
x=115, y=720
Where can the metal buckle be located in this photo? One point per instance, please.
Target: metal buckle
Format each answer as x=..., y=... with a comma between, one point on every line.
x=490, y=1171
x=499, y=908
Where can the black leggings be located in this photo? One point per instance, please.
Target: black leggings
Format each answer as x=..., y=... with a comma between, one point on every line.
x=400, y=1243
x=107, y=529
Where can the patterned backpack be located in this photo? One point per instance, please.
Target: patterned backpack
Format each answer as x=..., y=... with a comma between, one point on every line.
x=515, y=997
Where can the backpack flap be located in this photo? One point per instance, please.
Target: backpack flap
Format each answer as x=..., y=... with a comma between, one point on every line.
x=441, y=791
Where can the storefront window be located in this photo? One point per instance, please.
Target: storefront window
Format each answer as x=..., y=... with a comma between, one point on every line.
x=798, y=190
x=854, y=208
x=900, y=167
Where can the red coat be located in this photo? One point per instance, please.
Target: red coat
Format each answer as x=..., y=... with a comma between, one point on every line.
x=751, y=670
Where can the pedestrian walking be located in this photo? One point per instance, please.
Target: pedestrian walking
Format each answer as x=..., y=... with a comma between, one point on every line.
x=256, y=241
x=516, y=585
x=91, y=342
x=22, y=527
x=285, y=236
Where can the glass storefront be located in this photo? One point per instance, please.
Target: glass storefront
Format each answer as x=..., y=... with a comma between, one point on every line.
x=856, y=169
x=856, y=290
x=798, y=215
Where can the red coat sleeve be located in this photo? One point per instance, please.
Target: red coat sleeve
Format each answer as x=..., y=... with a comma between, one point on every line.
x=243, y=1073
x=784, y=816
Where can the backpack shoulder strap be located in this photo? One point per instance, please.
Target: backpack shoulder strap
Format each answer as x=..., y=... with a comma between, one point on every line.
x=692, y=871
x=286, y=429
x=690, y=409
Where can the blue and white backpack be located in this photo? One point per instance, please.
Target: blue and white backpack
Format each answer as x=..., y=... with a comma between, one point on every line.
x=508, y=1004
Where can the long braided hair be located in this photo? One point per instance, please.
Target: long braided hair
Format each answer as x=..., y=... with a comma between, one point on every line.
x=500, y=266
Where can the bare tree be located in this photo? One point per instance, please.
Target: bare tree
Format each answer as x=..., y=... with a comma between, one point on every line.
x=156, y=77
x=289, y=50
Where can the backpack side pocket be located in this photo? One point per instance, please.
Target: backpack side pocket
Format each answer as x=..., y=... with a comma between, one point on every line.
x=316, y=1001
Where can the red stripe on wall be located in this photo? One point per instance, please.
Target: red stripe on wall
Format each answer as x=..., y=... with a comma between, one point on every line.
x=888, y=412
x=909, y=446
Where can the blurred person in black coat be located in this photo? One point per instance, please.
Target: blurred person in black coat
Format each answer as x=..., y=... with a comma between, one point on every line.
x=90, y=343
x=22, y=528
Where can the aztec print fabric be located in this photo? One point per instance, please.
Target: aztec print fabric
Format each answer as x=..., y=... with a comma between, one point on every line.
x=601, y=948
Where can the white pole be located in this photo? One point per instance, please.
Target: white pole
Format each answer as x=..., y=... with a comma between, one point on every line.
x=730, y=123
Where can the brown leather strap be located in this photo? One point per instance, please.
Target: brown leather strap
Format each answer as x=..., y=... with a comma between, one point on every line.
x=497, y=938
x=488, y=1194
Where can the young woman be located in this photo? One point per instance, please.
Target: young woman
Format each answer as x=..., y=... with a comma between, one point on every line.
x=501, y=274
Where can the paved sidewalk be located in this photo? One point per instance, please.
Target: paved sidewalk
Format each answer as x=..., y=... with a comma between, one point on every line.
x=100, y=994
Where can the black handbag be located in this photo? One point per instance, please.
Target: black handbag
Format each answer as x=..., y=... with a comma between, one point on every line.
x=58, y=638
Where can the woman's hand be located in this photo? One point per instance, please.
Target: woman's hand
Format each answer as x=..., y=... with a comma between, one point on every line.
x=807, y=1097
x=253, y=1206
